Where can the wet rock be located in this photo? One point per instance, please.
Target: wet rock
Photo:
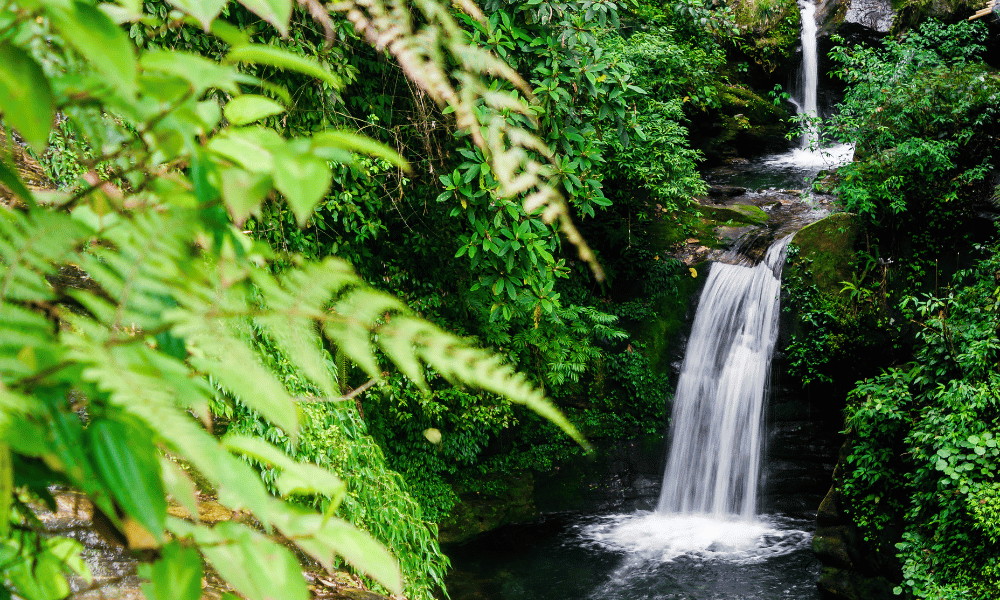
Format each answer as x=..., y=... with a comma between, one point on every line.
x=726, y=190
x=843, y=584
x=834, y=546
x=829, y=15
x=478, y=511
x=829, y=513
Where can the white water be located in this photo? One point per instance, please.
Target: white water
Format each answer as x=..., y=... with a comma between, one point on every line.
x=708, y=504
x=713, y=466
x=809, y=154
x=810, y=74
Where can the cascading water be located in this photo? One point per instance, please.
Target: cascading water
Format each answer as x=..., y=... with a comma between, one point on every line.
x=810, y=74
x=714, y=462
x=810, y=155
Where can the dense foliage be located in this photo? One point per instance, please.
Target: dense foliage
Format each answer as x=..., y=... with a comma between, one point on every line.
x=920, y=481
x=132, y=307
x=925, y=442
x=923, y=113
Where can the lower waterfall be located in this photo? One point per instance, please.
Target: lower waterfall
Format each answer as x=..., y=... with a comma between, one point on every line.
x=713, y=466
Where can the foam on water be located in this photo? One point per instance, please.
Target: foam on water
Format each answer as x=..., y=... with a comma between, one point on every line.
x=660, y=537
x=813, y=159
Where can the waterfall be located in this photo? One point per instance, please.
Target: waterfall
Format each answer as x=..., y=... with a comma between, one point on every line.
x=810, y=73
x=716, y=429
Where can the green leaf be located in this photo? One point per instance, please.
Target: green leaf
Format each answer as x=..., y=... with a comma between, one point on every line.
x=12, y=182
x=359, y=144
x=179, y=486
x=127, y=462
x=254, y=565
x=307, y=479
x=321, y=538
x=200, y=72
x=204, y=11
x=245, y=109
x=25, y=96
x=244, y=192
x=275, y=12
x=283, y=59
x=101, y=42
x=6, y=488
x=304, y=180
x=176, y=576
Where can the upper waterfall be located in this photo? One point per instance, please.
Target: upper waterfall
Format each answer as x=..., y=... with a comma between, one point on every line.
x=810, y=74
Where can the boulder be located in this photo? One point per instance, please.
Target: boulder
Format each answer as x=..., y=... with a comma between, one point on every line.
x=740, y=213
x=828, y=245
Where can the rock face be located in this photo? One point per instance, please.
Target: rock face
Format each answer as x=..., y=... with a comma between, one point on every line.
x=511, y=502
x=853, y=568
x=830, y=14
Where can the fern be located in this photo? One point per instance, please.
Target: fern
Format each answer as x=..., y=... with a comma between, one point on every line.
x=167, y=294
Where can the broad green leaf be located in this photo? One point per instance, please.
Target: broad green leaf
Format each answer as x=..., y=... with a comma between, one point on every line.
x=40, y=579
x=275, y=12
x=227, y=358
x=283, y=59
x=200, y=72
x=322, y=538
x=255, y=566
x=300, y=339
x=6, y=488
x=360, y=144
x=101, y=42
x=205, y=11
x=10, y=180
x=303, y=179
x=257, y=449
x=179, y=486
x=308, y=479
x=176, y=576
x=25, y=96
x=245, y=109
x=244, y=192
x=70, y=551
x=127, y=462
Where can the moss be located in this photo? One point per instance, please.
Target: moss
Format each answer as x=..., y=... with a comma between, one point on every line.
x=656, y=334
x=771, y=30
x=829, y=244
x=501, y=499
x=744, y=124
x=740, y=213
x=911, y=13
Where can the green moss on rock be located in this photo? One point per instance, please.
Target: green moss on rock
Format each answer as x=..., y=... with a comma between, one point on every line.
x=829, y=245
x=656, y=333
x=740, y=213
x=509, y=500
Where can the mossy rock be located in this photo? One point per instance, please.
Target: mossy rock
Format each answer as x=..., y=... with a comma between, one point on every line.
x=829, y=245
x=740, y=213
x=771, y=30
x=744, y=124
x=911, y=13
x=843, y=584
x=657, y=333
x=482, y=511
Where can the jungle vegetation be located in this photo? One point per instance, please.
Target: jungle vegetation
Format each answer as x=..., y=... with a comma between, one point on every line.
x=312, y=260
